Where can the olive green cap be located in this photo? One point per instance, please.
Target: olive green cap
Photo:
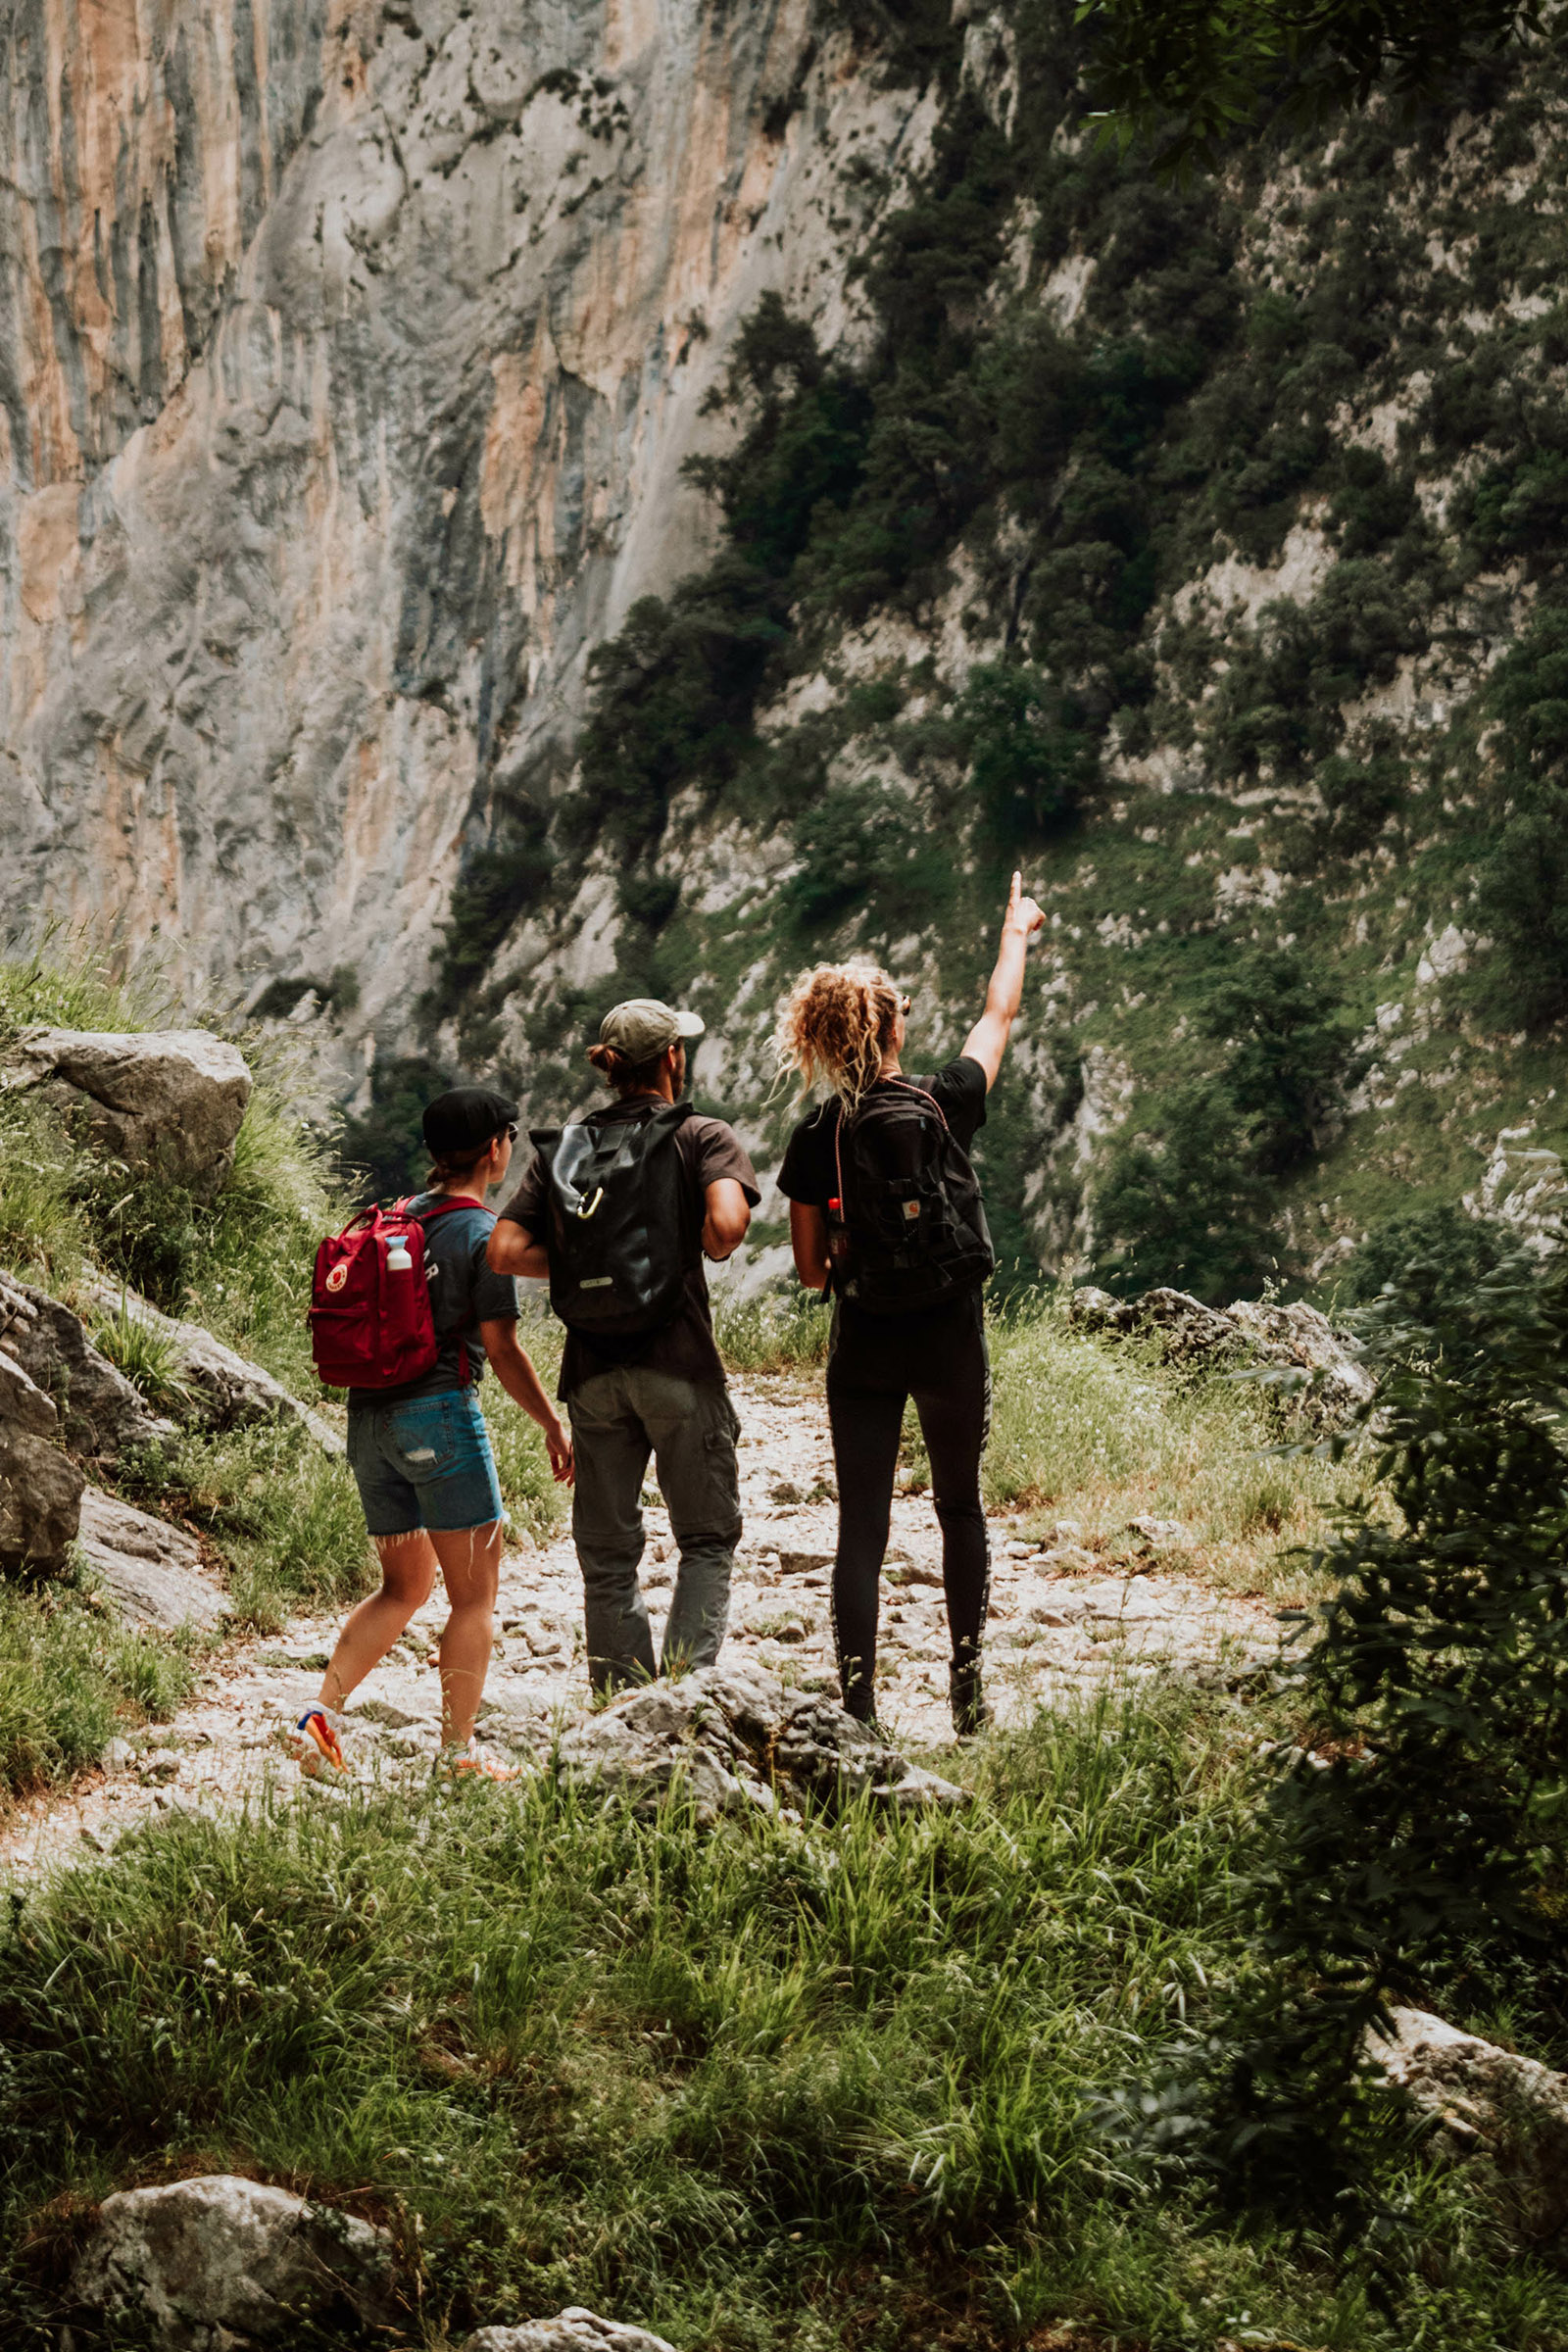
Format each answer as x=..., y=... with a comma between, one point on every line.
x=643, y=1027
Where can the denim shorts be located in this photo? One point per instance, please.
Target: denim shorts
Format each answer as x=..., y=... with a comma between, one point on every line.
x=427, y=1463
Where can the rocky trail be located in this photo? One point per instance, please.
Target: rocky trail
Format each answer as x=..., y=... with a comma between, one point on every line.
x=1063, y=1617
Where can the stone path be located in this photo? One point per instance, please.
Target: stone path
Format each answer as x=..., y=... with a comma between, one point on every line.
x=1063, y=1616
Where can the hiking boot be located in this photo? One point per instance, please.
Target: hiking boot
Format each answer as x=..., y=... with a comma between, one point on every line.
x=970, y=1714
x=474, y=1762
x=314, y=1744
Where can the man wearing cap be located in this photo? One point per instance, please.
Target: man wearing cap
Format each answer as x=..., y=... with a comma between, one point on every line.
x=662, y=1393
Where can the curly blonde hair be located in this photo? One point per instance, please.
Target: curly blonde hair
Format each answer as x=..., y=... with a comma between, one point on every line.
x=837, y=1026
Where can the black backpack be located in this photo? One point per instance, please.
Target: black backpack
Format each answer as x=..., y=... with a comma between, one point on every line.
x=907, y=1227
x=620, y=1234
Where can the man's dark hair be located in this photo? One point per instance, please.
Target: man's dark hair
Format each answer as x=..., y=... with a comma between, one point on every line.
x=626, y=1077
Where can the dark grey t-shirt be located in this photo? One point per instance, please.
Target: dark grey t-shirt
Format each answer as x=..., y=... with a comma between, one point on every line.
x=463, y=1293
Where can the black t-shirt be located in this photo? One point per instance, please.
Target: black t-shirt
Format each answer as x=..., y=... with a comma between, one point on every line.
x=463, y=1293
x=685, y=1345
x=809, y=1175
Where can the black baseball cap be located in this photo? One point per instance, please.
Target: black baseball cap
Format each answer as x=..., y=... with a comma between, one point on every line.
x=465, y=1119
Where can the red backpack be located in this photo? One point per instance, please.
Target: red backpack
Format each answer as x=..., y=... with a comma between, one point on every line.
x=370, y=1323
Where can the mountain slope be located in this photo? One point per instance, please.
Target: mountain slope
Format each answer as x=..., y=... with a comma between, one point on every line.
x=1196, y=547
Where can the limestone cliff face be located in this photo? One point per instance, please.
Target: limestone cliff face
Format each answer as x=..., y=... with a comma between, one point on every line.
x=349, y=352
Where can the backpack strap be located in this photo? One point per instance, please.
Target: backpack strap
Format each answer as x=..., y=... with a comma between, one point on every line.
x=839, y=1123
x=426, y=1217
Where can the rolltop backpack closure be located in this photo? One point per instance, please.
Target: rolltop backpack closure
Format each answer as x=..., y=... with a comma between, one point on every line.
x=619, y=1237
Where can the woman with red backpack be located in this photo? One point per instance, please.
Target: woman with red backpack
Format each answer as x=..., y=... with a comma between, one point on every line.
x=885, y=1213
x=419, y=1449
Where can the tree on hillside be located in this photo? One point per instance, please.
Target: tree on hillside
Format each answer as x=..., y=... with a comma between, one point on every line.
x=1183, y=75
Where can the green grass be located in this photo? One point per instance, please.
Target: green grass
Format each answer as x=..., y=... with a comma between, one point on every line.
x=1103, y=1433
x=71, y=1676
x=771, y=1331
x=781, y=2085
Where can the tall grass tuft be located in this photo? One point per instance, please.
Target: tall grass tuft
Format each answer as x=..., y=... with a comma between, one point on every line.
x=769, y=1331
x=70, y=1677
x=1104, y=1433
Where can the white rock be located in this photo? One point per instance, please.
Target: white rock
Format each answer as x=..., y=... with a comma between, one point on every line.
x=103, y=1413
x=227, y=1390
x=1161, y=1531
x=40, y=1490
x=171, y=1100
x=573, y=2330
x=223, y=2253
x=725, y=1736
x=153, y=1571
x=1509, y=2114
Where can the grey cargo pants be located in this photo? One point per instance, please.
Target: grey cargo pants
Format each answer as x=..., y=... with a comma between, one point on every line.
x=689, y=1427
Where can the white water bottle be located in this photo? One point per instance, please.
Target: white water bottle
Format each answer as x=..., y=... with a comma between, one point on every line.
x=397, y=1260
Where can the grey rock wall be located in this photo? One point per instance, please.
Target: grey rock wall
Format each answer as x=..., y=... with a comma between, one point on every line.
x=348, y=359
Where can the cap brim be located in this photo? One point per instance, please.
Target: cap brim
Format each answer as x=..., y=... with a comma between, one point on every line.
x=688, y=1024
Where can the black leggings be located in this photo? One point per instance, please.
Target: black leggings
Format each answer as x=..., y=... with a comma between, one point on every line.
x=944, y=1366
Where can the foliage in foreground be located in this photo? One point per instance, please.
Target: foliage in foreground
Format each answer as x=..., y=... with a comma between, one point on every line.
x=778, y=2085
x=1417, y=1854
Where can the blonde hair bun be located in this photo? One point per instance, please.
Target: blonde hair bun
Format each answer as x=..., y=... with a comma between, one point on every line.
x=838, y=1026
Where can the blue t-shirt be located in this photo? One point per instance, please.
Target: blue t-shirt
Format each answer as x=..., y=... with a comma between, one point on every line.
x=463, y=1293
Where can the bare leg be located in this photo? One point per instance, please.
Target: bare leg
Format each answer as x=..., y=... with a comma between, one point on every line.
x=407, y=1573
x=470, y=1562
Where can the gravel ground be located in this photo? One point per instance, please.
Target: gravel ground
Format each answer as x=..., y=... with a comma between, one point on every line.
x=1061, y=1616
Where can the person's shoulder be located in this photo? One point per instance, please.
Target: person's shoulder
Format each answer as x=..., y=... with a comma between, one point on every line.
x=819, y=1119
x=963, y=1075
x=702, y=1124
x=463, y=1223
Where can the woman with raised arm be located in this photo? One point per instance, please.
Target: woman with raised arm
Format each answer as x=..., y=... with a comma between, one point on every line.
x=885, y=1213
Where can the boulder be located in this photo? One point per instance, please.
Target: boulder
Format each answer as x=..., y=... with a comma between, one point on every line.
x=41, y=1487
x=571, y=2330
x=153, y=1571
x=164, y=1100
x=729, y=1739
x=103, y=1413
x=1326, y=1380
x=1506, y=2115
x=220, y=2260
x=225, y=1390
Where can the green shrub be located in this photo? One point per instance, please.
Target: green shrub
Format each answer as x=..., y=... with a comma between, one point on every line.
x=1422, y=1858
x=856, y=842
x=1287, y=1037
x=1182, y=1205
x=381, y=1149
x=146, y=1355
x=1031, y=758
x=1426, y=1259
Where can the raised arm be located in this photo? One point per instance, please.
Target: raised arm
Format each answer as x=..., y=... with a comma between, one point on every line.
x=987, y=1041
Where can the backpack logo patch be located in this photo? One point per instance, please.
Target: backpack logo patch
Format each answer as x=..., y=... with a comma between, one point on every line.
x=338, y=1276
